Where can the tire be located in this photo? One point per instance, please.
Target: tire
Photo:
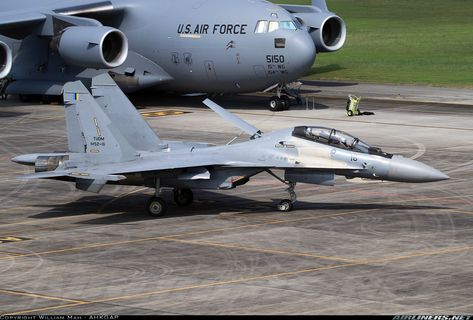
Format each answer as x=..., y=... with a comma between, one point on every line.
x=285, y=206
x=286, y=102
x=350, y=113
x=157, y=207
x=183, y=197
x=275, y=104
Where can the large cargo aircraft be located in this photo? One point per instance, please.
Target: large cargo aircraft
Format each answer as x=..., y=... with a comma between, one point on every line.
x=184, y=46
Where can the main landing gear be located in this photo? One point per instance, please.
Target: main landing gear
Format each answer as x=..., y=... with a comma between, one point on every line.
x=157, y=206
x=286, y=205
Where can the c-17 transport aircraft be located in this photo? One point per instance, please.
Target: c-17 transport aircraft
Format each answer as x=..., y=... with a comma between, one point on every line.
x=110, y=143
x=184, y=46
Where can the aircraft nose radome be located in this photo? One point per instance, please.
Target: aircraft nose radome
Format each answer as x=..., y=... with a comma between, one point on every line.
x=303, y=51
x=27, y=159
x=408, y=170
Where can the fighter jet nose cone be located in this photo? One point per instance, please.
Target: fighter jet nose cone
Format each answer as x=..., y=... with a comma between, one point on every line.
x=18, y=159
x=27, y=159
x=408, y=170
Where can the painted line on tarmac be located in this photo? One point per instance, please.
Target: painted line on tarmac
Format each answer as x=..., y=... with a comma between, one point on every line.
x=256, y=278
x=163, y=113
x=119, y=197
x=42, y=296
x=126, y=242
x=255, y=249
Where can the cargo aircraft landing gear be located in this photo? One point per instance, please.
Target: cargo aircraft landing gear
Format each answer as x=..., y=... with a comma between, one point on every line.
x=286, y=205
x=282, y=100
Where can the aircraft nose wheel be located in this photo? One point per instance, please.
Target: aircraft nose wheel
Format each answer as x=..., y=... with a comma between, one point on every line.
x=285, y=206
x=277, y=104
x=183, y=197
x=157, y=207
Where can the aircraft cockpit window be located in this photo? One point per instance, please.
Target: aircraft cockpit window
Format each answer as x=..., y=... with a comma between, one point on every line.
x=273, y=26
x=337, y=139
x=287, y=25
x=262, y=26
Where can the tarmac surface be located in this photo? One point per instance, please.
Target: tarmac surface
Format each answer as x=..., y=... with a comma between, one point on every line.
x=356, y=248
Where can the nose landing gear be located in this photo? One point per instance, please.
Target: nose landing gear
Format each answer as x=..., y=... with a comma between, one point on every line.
x=286, y=205
x=282, y=100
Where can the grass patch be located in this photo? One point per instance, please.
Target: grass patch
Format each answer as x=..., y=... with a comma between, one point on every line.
x=404, y=41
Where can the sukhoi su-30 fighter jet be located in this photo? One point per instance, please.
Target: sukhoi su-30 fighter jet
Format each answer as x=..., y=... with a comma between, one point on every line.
x=110, y=143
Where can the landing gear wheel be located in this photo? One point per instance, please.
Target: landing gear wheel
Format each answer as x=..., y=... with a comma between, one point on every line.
x=286, y=101
x=276, y=104
x=157, y=207
x=299, y=101
x=183, y=197
x=285, y=206
x=350, y=113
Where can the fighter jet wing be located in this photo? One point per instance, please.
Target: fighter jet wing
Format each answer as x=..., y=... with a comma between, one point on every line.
x=76, y=174
x=169, y=162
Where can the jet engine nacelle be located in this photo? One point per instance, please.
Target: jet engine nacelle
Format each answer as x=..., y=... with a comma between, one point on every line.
x=93, y=47
x=49, y=163
x=328, y=30
x=5, y=60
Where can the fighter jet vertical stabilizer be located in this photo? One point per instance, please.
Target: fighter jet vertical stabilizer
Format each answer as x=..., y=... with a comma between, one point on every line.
x=123, y=114
x=102, y=139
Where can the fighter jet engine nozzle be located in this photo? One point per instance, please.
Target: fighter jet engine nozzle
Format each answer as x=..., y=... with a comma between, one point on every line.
x=328, y=31
x=93, y=47
x=407, y=170
x=6, y=60
x=49, y=163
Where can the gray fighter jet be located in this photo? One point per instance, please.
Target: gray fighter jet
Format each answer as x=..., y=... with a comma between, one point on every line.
x=110, y=143
x=185, y=46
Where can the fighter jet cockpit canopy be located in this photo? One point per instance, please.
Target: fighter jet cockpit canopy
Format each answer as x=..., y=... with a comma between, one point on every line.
x=338, y=139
